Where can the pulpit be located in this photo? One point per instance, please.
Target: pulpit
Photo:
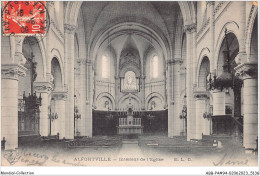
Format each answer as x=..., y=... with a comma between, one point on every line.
x=129, y=124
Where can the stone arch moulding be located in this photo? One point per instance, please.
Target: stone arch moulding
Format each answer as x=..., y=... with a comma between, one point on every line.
x=72, y=9
x=187, y=9
x=81, y=36
x=107, y=95
x=121, y=99
x=130, y=68
x=251, y=20
x=44, y=60
x=152, y=95
x=188, y=12
x=72, y=12
x=6, y=41
x=56, y=54
x=117, y=29
x=232, y=27
x=205, y=52
x=41, y=48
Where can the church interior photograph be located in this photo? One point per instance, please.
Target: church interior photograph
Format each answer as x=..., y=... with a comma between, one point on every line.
x=176, y=81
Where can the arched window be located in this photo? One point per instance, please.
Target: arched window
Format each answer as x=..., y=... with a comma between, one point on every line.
x=105, y=67
x=154, y=66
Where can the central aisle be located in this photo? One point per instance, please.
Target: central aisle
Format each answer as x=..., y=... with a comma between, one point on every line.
x=130, y=148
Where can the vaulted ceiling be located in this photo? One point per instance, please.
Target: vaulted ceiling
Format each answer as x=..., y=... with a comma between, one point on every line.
x=161, y=17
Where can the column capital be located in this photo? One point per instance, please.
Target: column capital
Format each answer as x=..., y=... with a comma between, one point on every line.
x=246, y=71
x=43, y=87
x=62, y=95
x=170, y=61
x=241, y=58
x=210, y=3
x=89, y=62
x=182, y=69
x=78, y=61
x=201, y=95
x=49, y=77
x=164, y=73
x=174, y=61
x=17, y=51
x=19, y=39
x=81, y=60
x=50, y=3
x=178, y=61
x=190, y=28
x=70, y=29
x=12, y=71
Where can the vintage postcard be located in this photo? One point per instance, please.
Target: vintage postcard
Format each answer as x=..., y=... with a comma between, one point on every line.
x=130, y=83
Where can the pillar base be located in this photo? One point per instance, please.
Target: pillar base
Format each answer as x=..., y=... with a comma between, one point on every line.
x=9, y=104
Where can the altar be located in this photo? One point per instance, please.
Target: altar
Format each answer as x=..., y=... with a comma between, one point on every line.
x=129, y=124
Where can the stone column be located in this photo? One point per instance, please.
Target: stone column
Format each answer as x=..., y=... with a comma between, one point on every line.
x=178, y=123
x=82, y=96
x=88, y=127
x=60, y=99
x=242, y=33
x=44, y=88
x=142, y=79
x=248, y=72
x=16, y=51
x=190, y=30
x=69, y=70
x=9, y=104
x=94, y=93
x=218, y=102
x=207, y=123
x=212, y=34
x=170, y=98
x=48, y=40
x=117, y=91
x=165, y=92
x=201, y=123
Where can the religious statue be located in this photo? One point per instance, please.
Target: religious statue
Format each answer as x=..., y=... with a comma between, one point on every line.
x=107, y=105
x=51, y=78
x=153, y=105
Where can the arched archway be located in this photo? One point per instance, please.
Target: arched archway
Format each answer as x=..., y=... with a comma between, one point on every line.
x=204, y=70
x=227, y=89
x=56, y=74
x=124, y=101
x=101, y=100
x=29, y=107
x=253, y=52
x=154, y=101
x=143, y=29
x=233, y=45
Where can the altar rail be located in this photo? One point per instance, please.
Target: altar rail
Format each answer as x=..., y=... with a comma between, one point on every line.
x=123, y=121
x=106, y=125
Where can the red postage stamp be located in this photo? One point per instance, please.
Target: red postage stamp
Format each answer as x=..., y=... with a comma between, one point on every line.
x=24, y=17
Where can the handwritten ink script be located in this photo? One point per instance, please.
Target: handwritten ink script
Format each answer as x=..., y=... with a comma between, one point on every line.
x=230, y=159
x=34, y=159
